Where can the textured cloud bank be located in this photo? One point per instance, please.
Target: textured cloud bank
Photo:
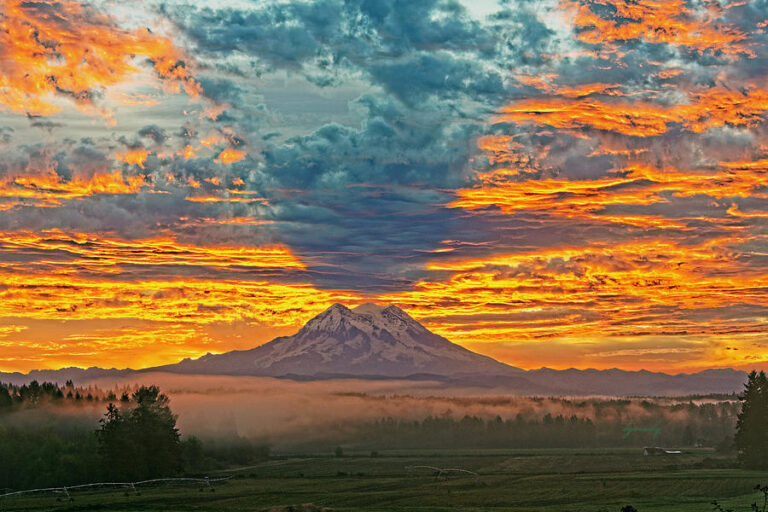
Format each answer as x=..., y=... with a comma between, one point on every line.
x=575, y=183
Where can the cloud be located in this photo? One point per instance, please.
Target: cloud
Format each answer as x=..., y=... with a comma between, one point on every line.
x=556, y=172
x=68, y=49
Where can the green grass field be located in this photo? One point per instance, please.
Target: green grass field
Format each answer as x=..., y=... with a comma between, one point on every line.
x=520, y=480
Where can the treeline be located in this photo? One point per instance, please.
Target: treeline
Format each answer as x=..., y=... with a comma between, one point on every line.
x=35, y=393
x=44, y=445
x=614, y=424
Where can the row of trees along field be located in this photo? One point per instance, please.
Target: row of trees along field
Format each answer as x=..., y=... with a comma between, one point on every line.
x=44, y=442
x=564, y=423
x=687, y=430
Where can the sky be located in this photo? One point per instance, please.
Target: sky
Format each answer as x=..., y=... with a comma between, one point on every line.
x=574, y=183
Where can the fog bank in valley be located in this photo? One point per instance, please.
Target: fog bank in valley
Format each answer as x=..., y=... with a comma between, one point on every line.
x=284, y=412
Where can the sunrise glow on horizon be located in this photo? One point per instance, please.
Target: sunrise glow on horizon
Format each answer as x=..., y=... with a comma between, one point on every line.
x=550, y=183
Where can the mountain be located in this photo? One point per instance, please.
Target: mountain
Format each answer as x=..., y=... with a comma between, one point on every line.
x=617, y=382
x=384, y=342
x=78, y=375
x=368, y=341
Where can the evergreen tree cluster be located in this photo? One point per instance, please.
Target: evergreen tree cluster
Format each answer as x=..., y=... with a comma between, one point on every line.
x=43, y=444
x=62, y=450
x=140, y=440
x=35, y=394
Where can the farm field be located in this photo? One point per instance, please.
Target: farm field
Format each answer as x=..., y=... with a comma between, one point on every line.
x=514, y=480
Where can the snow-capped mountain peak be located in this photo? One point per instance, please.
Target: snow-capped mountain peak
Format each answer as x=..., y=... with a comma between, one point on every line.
x=367, y=318
x=369, y=340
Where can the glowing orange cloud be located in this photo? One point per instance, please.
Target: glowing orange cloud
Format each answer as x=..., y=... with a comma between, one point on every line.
x=95, y=251
x=67, y=48
x=210, y=141
x=655, y=21
x=230, y=156
x=136, y=157
x=708, y=109
x=188, y=152
x=49, y=189
x=217, y=199
x=587, y=199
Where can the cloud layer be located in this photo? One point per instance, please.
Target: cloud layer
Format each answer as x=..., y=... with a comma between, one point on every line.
x=572, y=183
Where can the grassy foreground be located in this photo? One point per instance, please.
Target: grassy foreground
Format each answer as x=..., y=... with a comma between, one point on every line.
x=520, y=480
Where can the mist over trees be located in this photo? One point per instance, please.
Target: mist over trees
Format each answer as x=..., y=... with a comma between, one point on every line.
x=613, y=423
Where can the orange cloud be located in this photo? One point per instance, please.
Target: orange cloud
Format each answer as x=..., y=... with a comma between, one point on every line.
x=49, y=189
x=66, y=48
x=187, y=153
x=136, y=157
x=708, y=109
x=230, y=156
x=635, y=185
x=94, y=251
x=655, y=21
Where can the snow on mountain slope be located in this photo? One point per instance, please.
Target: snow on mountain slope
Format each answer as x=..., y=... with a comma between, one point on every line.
x=370, y=340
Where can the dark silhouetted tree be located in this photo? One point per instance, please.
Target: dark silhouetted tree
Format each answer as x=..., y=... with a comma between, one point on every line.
x=142, y=441
x=751, y=437
x=5, y=397
x=114, y=443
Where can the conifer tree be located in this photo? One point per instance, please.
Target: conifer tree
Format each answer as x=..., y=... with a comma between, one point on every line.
x=751, y=437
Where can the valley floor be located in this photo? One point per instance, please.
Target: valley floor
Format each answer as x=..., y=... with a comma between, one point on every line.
x=519, y=480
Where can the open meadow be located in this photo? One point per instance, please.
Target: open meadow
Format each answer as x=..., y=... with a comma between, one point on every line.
x=574, y=480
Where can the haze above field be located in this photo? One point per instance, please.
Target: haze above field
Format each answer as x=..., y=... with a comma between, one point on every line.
x=553, y=183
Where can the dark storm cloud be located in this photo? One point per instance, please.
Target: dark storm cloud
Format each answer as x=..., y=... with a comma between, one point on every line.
x=440, y=72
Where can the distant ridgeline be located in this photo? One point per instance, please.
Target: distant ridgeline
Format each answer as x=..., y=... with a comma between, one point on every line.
x=34, y=394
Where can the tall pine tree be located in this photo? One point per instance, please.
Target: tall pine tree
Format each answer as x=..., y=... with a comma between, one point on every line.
x=752, y=425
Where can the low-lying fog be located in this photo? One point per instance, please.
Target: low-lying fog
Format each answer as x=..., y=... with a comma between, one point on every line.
x=265, y=407
x=286, y=414
x=285, y=410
